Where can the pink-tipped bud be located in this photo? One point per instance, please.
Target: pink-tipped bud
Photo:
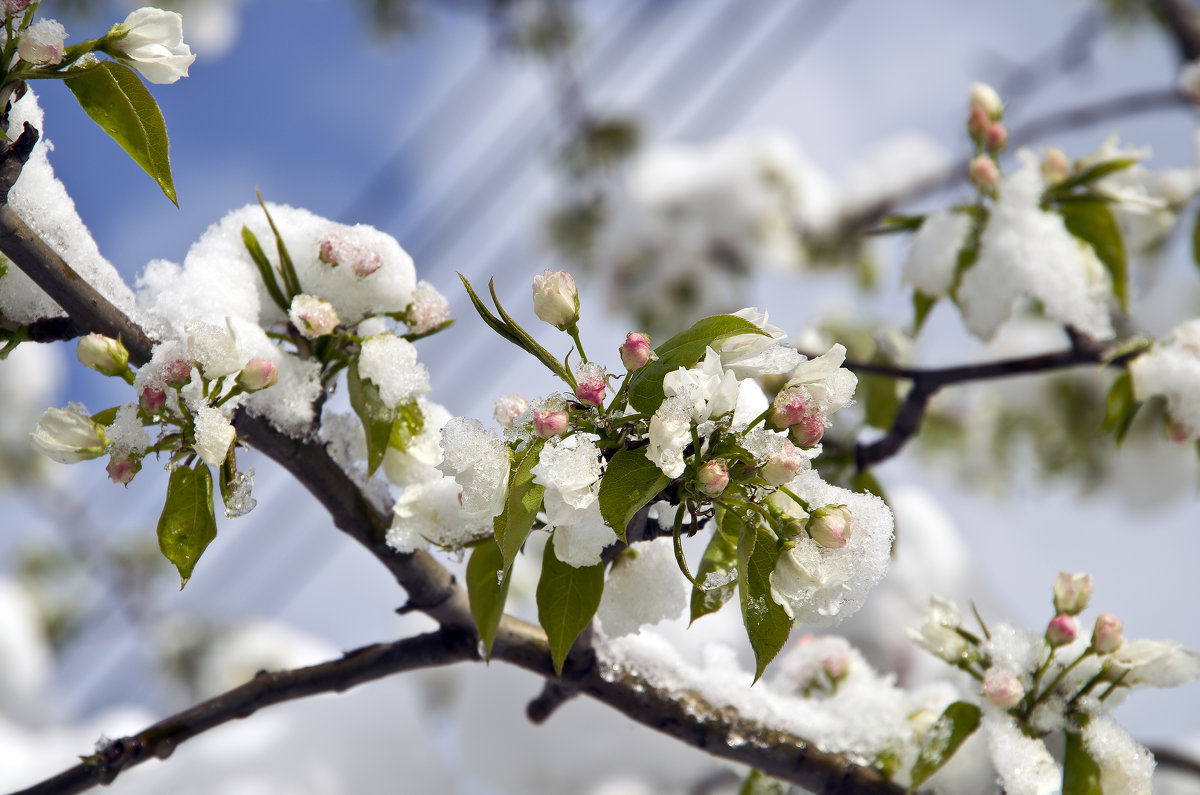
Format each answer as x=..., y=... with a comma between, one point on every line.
x=43, y=42
x=808, y=431
x=836, y=666
x=555, y=299
x=313, y=317
x=1056, y=167
x=508, y=407
x=713, y=477
x=983, y=171
x=344, y=251
x=550, y=423
x=986, y=99
x=789, y=407
x=258, y=374
x=978, y=124
x=783, y=465
x=590, y=384
x=830, y=526
x=13, y=7
x=1061, y=630
x=1002, y=689
x=122, y=470
x=1072, y=592
x=1106, y=636
x=152, y=399
x=996, y=137
x=177, y=372
x=102, y=354
x=635, y=353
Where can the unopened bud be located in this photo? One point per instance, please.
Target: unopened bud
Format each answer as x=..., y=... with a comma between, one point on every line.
x=789, y=407
x=978, y=124
x=836, y=666
x=13, y=7
x=555, y=299
x=1072, y=592
x=591, y=384
x=1106, y=635
x=996, y=137
x=258, y=374
x=313, y=317
x=42, y=43
x=783, y=465
x=177, y=372
x=983, y=171
x=1056, y=167
x=713, y=477
x=1061, y=630
x=1002, y=689
x=830, y=526
x=508, y=407
x=122, y=470
x=808, y=432
x=340, y=250
x=635, y=353
x=986, y=99
x=152, y=399
x=102, y=354
x=550, y=423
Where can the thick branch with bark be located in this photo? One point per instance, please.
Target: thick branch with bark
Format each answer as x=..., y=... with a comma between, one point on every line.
x=431, y=588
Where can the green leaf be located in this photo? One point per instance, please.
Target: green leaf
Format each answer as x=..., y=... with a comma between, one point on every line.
x=377, y=417
x=879, y=396
x=942, y=739
x=187, y=524
x=1091, y=174
x=510, y=330
x=1081, y=774
x=683, y=350
x=630, y=481
x=487, y=590
x=759, y=783
x=720, y=557
x=567, y=598
x=1092, y=222
x=922, y=305
x=114, y=97
x=265, y=271
x=1120, y=407
x=767, y=623
x=513, y=524
x=291, y=281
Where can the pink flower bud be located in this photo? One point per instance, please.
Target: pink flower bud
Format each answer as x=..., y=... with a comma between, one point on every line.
x=258, y=374
x=102, y=354
x=830, y=526
x=789, y=407
x=1056, y=167
x=313, y=317
x=340, y=250
x=177, y=372
x=836, y=666
x=122, y=470
x=590, y=384
x=555, y=299
x=986, y=99
x=1072, y=592
x=1106, y=636
x=1002, y=689
x=983, y=171
x=808, y=432
x=713, y=477
x=978, y=124
x=13, y=7
x=550, y=423
x=996, y=137
x=42, y=43
x=635, y=353
x=508, y=407
x=1061, y=630
x=428, y=310
x=152, y=399
x=783, y=465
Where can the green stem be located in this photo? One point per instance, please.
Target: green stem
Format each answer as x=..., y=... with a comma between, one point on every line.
x=573, y=330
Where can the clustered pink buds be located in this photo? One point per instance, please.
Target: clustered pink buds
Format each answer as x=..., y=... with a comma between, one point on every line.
x=1072, y=592
x=713, y=477
x=794, y=410
x=635, y=353
x=983, y=123
x=591, y=384
x=983, y=171
x=830, y=526
x=1106, y=636
x=987, y=100
x=1061, y=630
x=1002, y=689
x=996, y=137
x=338, y=250
x=103, y=354
x=555, y=299
x=258, y=374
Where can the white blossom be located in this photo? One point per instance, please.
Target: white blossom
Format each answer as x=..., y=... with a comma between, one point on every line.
x=150, y=40
x=581, y=542
x=569, y=469
x=214, y=435
x=432, y=512
x=418, y=461
x=42, y=42
x=1172, y=369
x=478, y=461
x=830, y=385
x=933, y=258
x=68, y=436
x=670, y=433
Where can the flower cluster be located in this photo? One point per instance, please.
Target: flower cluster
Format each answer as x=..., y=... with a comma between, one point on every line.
x=1062, y=680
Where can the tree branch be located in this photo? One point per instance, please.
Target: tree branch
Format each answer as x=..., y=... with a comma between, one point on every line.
x=430, y=587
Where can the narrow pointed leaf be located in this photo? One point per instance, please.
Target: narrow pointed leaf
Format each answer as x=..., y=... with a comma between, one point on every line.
x=265, y=271
x=187, y=524
x=631, y=481
x=922, y=305
x=1093, y=173
x=513, y=524
x=956, y=724
x=376, y=417
x=1092, y=222
x=1120, y=407
x=487, y=591
x=1081, y=774
x=115, y=98
x=529, y=343
x=567, y=598
x=767, y=623
x=719, y=561
x=291, y=281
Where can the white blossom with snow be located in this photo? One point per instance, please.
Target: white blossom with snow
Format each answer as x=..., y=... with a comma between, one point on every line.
x=478, y=461
x=644, y=587
x=1171, y=369
x=933, y=258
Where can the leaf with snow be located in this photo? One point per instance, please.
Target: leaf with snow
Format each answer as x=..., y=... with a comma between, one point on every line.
x=767, y=623
x=958, y=722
